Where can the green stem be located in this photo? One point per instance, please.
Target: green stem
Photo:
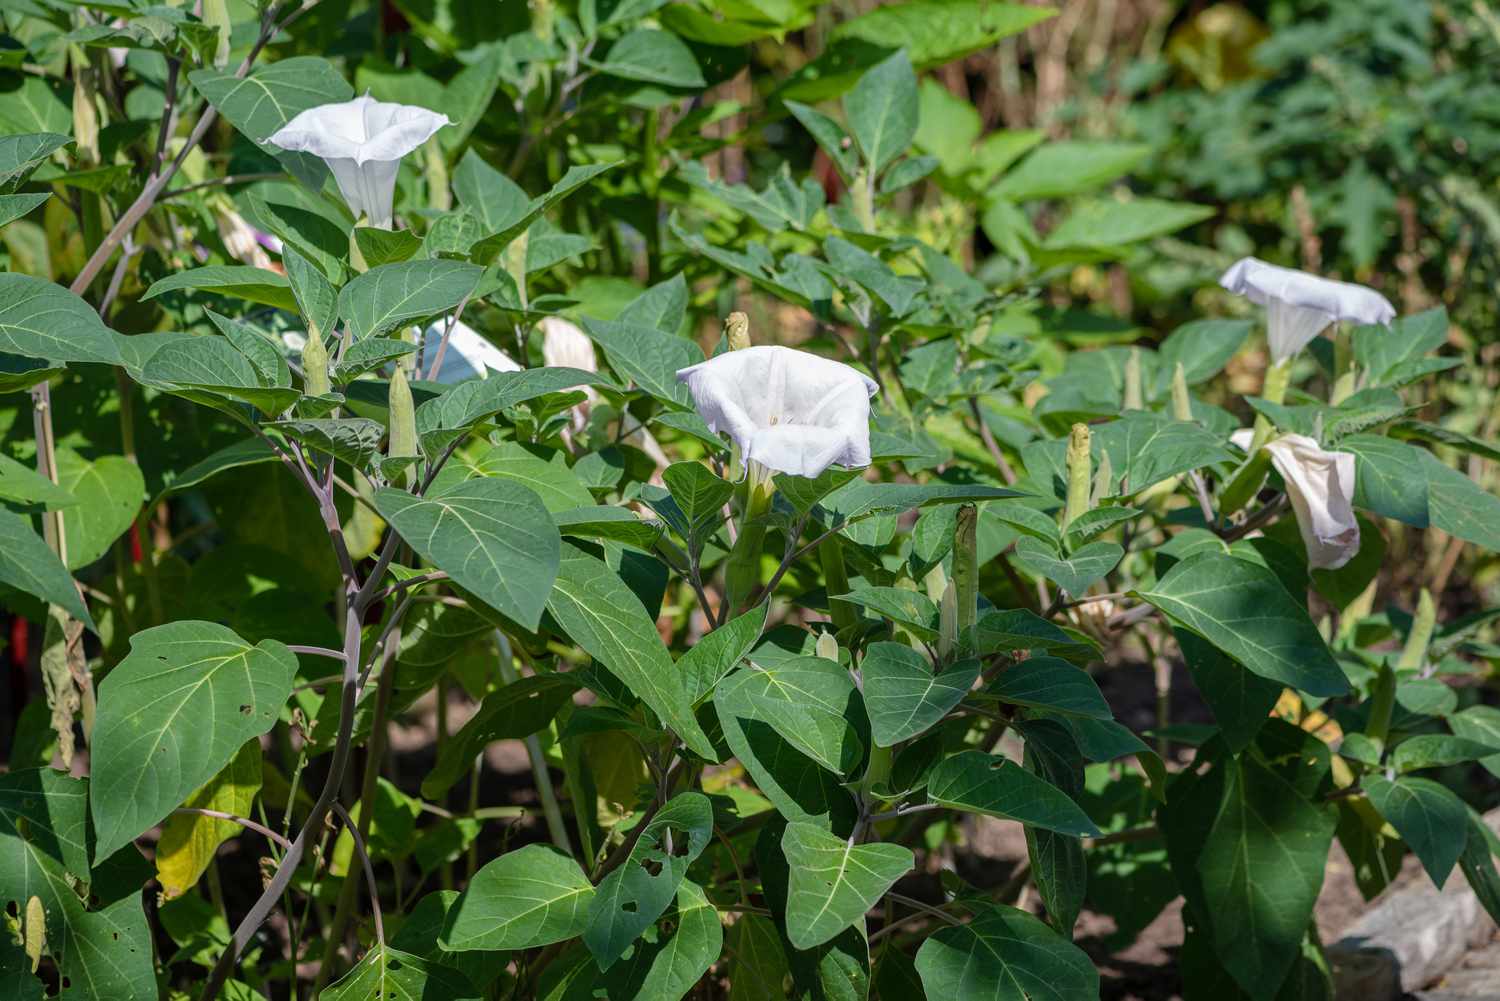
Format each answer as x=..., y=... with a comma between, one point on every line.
x=544, y=788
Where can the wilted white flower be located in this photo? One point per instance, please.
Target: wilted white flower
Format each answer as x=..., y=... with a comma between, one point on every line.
x=1320, y=485
x=468, y=356
x=362, y=141
x=788, y=410
x=565, y=346
x=1299, y=305
x=243, y=241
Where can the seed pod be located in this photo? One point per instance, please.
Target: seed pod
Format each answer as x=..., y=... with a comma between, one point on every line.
x=737, y=331
x=1182, y=404
x=1080, y=467
x=315, y=366
x=402, y=442
x=966, y=566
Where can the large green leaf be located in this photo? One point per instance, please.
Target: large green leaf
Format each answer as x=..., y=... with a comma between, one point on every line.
x=102, y=947
x=20, y=484
x=511, y=712
x=861, y=499
x=109, y=491
x=601, y=614
x=445, y=418
x=1243, y=609
x=700, y=494
x=235, y=280
x=721, y=651
x=834, y=881
x=394, y=295
x=1241, y=700
x=633, y=896
x=41, y=320
x=354, y=440
x=266, y=99
x=21, y=154
x=1050, y=683
x=934, y=32
x=994, y=785
x=392, y=975
x=646, y=356
x=652, y=56
x=1108, y=223
x=550, y=479
x=1429, y=818
x=28, y=564
x=1075, y=573
x=172, y=714
x=493, y=537
x=209, y=369
x=1066, y=168
x=529, y=897
x=809, y=701
x=1249, y=852
x=903, y=695
x=882, y=110
x=1004, y=954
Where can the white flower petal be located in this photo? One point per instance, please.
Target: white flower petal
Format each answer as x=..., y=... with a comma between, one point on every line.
x=362, y=141
x=469, y=355
x=565, y=346
x=1301, y=305
x=1320, y=485
x=791, y=411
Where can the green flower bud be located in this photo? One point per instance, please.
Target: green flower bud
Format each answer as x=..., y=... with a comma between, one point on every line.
x=827, y=647
x=966, y=566
x=1182, y=403
x=315, y=366
x=403, y=427
x=216, y=15
x=1080, y=467
x=1133, y=397
x=1414, y=654
x=435, y=169
x=948, y=628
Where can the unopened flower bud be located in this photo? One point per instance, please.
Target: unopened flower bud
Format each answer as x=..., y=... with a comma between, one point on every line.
x=827, y=647
x=216, y=15
x=1080, y=468
x=1414, y=654
x=403, y=423
x=966, y=566
x=1133, y=396
x=1182, y=403
x=948, y=628
x=315, y=366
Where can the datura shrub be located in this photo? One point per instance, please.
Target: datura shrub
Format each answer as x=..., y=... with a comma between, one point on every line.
x=372, y=436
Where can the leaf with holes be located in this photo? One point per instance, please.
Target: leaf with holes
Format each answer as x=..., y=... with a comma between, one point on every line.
x=633, y=896
x=834, y=881
x=391, y=975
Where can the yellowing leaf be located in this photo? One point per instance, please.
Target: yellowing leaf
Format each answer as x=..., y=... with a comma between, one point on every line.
x=189, y=840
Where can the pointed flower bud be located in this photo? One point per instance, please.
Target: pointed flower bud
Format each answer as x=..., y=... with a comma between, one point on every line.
x=948, y=628
x=402, y=442
x=1182, y=403
x=1080, y=467
x=315, y=366
x=1414, y=654
x=1133, y=399
x=737, y=331
x=827, y=647
x=966, y=566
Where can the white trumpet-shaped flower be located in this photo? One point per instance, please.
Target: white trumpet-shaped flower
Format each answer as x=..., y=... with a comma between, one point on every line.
x=788, y=410
x=1320, y=485
x=468, y=355
x=1299, y=306
x=362, y=141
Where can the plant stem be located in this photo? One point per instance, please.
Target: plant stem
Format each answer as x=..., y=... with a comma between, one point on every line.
x=544, y=788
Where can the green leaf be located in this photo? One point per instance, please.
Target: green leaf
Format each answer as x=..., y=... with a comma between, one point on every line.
x=986, y=783
x=1201, y=347
x=701, y=495
x=235, y=280
x=1004, y=954
x=1429, y=818
x=633, y=896
x=808, y=701
x=250, y=452
x=317, y=299
x=396, y=295
x=1057, y=860
x=576, y=177
x=646, y=356
x=444, y=419
x=18, y=374
x=355, y=440
x=601, y=614
x=1249, y=852
x=391, y=975
x=1480, y=724
x=552, y=481
x=652, y=56
x=707, y=662
x=1018, y=629
x=385, y=246
x=208, y=369
x=910, y=608
x=897, y=291
x=904, y=697
x=510, y=712
x=13, y=207
x=1108, y=223
x=829, y=135
x=1075, y=574
x=172, y=714
x=1243, y=610
x=20, y=484
x=598, y=521
x=1478, y=865
x=938, y=31
x=41, y=320
x=882, y=110
x=1381, y=351
x=533, y=896
x=103, y=948
x=369, y=355
x=109, y=492
x=861, y=499
x=1241, y=700
x=495, y=201
x=1050, y=683
x=1068, y=167
x=493, y=537
x=1438, y=750
x=834, y=881
x=28, y=564
x=21, y=154
x=189, y=842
